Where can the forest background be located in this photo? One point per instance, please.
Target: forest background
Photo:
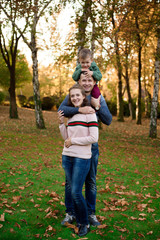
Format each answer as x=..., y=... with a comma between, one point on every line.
x=123, y=35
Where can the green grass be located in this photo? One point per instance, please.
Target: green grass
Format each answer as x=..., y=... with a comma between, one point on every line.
x=32, y=180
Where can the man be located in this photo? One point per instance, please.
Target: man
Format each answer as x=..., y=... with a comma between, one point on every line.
x=105, y=116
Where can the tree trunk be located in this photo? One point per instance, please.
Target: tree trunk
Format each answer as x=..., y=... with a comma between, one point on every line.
x=120, y=95
x=130, y=101
x=81, y=37
x=153, y=121
x=13, y=106
x=119, y=70
x=139, y=116
x=38, y=107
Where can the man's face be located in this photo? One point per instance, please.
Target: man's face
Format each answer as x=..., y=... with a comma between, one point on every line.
x=87, y=83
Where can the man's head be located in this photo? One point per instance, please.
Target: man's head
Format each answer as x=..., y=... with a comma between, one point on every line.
x=85, y=58
x=86, y=83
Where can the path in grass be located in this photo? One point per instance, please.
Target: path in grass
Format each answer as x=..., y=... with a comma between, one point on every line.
x=32, y=180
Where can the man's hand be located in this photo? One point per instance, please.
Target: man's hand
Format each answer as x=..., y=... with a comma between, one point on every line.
x=67, y=142
x=86, y=110
x=95, y=102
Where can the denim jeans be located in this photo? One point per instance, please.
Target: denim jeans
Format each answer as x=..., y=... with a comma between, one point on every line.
x=76, y=170
x=90, y=185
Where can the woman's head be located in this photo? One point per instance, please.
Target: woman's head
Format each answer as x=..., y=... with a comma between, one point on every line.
x=77, y=96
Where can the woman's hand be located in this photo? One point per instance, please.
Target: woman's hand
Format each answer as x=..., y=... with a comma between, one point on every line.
x=61, y=117
x=67, y=142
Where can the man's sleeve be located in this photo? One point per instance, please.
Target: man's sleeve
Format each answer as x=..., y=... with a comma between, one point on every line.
x=77, y=72
x=67, y=110
x=97, y=75
x=104, y=113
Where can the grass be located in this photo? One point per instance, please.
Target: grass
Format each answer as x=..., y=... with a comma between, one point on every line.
x=32, y=180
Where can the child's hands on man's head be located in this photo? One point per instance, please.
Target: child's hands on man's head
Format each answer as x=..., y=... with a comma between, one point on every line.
x=87, y=72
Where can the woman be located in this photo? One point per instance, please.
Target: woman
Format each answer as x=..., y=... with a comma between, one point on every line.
x=80, y=133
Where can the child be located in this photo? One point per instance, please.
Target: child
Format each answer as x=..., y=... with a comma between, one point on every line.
x=81, y=132
x=90, y=68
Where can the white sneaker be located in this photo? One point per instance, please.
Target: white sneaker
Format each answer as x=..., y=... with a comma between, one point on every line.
x=68, y=219
x=93, y=220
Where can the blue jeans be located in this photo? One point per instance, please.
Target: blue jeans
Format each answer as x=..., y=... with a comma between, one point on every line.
x=90, y=186
x=76, y=170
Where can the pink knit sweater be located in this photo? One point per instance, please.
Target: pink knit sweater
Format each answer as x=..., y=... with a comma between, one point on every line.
x=83, y=131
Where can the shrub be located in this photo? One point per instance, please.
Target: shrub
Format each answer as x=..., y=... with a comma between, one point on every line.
x=112, y=105
x=47, y=103
x=30, y=102
x=22, y=100
x=2, y=96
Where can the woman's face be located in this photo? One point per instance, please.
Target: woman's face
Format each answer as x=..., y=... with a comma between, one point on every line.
x=76, y=97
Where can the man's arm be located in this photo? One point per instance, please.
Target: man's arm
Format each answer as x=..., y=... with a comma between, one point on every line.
x=67, y=110
x=71, y=111
x=104, y=113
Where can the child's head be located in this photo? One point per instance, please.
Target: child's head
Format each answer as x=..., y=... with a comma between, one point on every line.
x=77, y=96
x=85, y=58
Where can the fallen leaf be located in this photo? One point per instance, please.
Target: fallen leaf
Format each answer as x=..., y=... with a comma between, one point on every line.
x=150, y=210
x=142, y=214
x=8, y=211
x=37, y=205
x=2, y=217
x=102, y=226
x=4, y=190
x=141, y=219
x=141, y=235
x=120, y=229
x=17, y=225
x=1, y=225
x=37, y=235
x=48, y=209
x=15, y=199
x=150, y=233
x=53, y=194
x=23, y=210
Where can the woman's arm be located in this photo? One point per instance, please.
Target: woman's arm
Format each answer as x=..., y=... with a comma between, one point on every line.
x=63, y=131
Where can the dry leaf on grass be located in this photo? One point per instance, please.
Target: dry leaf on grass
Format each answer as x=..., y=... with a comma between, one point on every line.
x=2, y=217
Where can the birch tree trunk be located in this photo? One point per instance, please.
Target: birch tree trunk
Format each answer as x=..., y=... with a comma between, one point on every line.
x=38, y=107
x=153, y=120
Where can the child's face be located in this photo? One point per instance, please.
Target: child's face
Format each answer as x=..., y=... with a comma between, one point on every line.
x=85, y=63
x=76, y=97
